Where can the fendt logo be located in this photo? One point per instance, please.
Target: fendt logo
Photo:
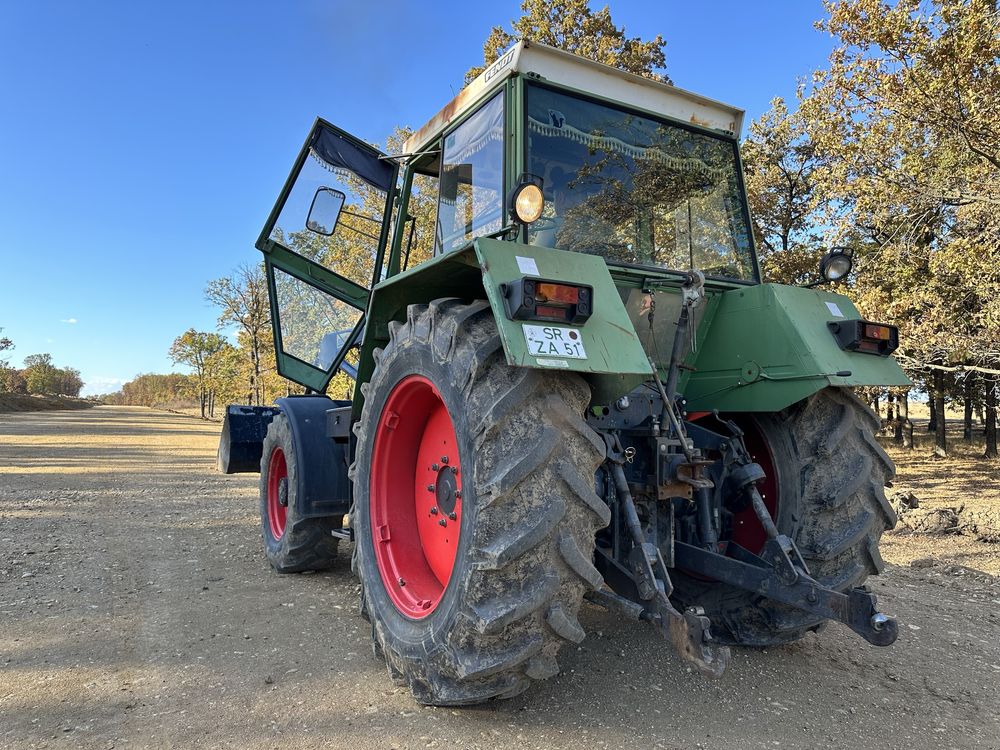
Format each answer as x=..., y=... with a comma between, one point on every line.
x=499, y=65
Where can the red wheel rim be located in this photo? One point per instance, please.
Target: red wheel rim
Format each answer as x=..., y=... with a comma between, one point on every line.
x=415, y=496
x=747, y=529
x=277, y=474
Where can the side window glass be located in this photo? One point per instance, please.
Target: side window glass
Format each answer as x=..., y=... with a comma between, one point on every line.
x=418, y=242
x=471, y=199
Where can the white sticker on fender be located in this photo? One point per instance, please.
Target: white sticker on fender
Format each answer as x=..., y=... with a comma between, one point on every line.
x=554, y=341
x=527, y=265
x=834, y=309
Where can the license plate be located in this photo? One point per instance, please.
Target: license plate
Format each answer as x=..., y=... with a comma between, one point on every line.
x=554, y=341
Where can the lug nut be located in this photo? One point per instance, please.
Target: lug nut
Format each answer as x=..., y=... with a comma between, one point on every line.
x=444, y=459
x=430, y=488
x=458, y=494
x=402, y=582
x=453, y=516
x=434, y=467
x=434, y=511
x=442, y=522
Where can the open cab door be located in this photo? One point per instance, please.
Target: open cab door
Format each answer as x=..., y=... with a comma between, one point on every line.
x=324, y=248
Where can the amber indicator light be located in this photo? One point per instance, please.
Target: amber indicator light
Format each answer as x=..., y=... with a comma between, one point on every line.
x=882, y=333
x=568, y=295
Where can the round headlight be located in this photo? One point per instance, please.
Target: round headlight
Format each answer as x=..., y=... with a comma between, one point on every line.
x=528, y=203
x=835, y=265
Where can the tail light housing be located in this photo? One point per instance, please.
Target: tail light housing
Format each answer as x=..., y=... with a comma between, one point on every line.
x=553, y=301
x=865, y=337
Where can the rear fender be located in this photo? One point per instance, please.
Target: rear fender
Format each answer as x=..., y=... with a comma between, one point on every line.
x=769, y=346
x=323, y=486
x=615, y=362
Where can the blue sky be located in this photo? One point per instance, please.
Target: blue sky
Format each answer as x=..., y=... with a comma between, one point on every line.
x=143, y=144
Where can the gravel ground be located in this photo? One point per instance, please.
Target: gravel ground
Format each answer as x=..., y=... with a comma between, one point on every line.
x=136, y=610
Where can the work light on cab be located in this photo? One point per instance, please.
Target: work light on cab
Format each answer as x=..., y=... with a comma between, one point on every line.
x=556, y=301
x=835, y=265
x=527, y=201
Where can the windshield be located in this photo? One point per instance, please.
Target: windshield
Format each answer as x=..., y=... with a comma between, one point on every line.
x=636, y=190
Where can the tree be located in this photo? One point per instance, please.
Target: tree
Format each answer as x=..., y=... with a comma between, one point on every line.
x=243, y=300
x=41, y=376
x=149, y=390
x=572, y=26
x=223, y=375
x=903, y=122
x=10, y=379
x=195, y=349
x=5, y=344
x=40, y=373
x=780, y=160
x=68, y=381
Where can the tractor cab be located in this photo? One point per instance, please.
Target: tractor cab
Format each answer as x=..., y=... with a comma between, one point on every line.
x=544, y=150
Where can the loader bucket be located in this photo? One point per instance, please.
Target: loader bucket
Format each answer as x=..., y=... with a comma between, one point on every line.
x=242, y=439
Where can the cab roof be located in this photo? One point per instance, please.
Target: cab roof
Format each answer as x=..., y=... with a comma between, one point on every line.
x=546, y=63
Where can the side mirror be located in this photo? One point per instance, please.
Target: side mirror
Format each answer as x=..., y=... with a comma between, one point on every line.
x=325, y=211
x=834, y=265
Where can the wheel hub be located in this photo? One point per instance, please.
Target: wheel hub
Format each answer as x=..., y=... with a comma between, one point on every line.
x=446, y=489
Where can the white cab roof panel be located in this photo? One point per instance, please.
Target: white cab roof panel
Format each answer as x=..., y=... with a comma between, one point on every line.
x=584, y=75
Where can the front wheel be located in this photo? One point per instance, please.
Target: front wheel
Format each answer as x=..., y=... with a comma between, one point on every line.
x=474, y=509
x=292, y=543
x=826, y=488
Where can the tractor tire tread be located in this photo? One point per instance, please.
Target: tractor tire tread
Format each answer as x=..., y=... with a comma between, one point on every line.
x=529, y=564
x=843, y=511
x=307, y=543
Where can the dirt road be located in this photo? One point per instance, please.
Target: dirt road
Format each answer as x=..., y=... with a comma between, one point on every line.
x=136, y=610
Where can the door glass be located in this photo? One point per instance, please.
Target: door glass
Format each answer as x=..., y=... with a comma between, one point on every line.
x=352, y=246
x=314, y=326
x=322, y=242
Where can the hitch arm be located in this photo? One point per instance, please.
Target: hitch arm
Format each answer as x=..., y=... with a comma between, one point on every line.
x=688, y=631
x=856, y=609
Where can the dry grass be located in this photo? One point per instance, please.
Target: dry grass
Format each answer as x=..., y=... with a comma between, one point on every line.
x=11, y=402
x=965, y=478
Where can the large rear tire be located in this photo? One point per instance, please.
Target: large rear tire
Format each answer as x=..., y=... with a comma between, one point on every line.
x=830, y=482
x=486, y=617
x=292, y=543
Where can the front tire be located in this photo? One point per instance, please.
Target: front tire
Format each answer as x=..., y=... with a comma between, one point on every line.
x=830, y=482
x=522, y=561
x=292, y=543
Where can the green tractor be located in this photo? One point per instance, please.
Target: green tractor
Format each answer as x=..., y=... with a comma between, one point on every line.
x=567, y=382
